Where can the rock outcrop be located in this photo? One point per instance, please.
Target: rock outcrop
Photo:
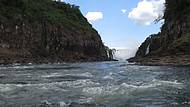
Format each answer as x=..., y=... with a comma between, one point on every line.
x=43, y=31
x=171, y=45
x=111, y=53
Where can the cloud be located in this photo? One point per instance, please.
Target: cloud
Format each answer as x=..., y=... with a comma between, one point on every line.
x=147, y=11
x=123, y=10
x=94, y=16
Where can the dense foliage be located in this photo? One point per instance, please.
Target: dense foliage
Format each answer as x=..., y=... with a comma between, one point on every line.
x=42, y=10
x=176, y=8
x=180, y=45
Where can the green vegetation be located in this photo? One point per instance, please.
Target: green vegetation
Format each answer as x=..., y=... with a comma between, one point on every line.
x=176, y=8
x=42, y=10
x=181, y=44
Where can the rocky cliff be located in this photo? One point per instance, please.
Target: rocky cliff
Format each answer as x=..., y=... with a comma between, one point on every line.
x=171, y=45
x=46, y=31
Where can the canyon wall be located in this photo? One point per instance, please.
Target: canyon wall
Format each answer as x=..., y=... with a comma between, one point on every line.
x=171, y=44
x=46, y=31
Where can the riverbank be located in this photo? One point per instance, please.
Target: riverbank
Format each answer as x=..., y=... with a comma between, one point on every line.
x=174, y=60
x=26, y=60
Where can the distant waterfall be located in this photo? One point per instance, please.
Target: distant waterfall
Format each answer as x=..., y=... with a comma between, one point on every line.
x=108, y=53
x=147, y=50
x=113, y=53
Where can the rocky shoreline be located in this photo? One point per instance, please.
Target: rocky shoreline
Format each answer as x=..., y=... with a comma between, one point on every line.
x=174, y=60
x=22, y=60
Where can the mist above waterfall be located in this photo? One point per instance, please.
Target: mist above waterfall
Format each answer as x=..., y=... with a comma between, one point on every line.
x=123, y=53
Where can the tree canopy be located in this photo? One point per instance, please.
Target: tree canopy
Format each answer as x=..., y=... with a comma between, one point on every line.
x=37, y=10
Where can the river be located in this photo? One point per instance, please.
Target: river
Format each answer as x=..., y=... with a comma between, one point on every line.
x=96, y=84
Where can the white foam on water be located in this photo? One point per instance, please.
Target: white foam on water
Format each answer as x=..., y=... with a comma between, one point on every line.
x=186, y=102
x=98, y=90
x=6, y=87
x=109, y=76
x=21, y=67
x=121, y=71
x=80, y=83
x=175, y=103
x=29, y=63
x=63, y=104
x=175, y=83
x=46, y=102
x=101, y=93
x=130, y=88
x=171, y=82
x=86, y=100
x=126, y=89
x=2, y=75
x=58, y=86
x=51, y=75
x=107, y=90
x=16, y=64
x=86, y=74
x=102, y=90
x=134, y=86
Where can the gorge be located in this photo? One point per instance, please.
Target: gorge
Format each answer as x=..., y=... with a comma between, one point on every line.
x=52, y=56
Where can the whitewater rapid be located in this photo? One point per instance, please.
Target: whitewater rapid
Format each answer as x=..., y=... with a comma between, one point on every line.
x=98, y=84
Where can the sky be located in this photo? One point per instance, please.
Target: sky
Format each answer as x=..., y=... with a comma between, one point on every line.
x=122, y=24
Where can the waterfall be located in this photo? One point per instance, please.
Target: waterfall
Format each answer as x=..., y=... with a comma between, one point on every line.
x=113, y=53
x=147, y=50
x=108, y=53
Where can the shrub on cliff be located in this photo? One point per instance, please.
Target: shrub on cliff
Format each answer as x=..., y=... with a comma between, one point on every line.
x=180, y=45
x=42, y=10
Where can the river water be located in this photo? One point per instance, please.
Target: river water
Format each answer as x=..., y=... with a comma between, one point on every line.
x=98, y=84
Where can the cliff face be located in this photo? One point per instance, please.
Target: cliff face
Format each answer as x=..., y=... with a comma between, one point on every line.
x=174, y=38
x=44, y=30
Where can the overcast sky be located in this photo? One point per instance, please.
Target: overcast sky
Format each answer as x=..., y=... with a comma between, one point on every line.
x=122, y=23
